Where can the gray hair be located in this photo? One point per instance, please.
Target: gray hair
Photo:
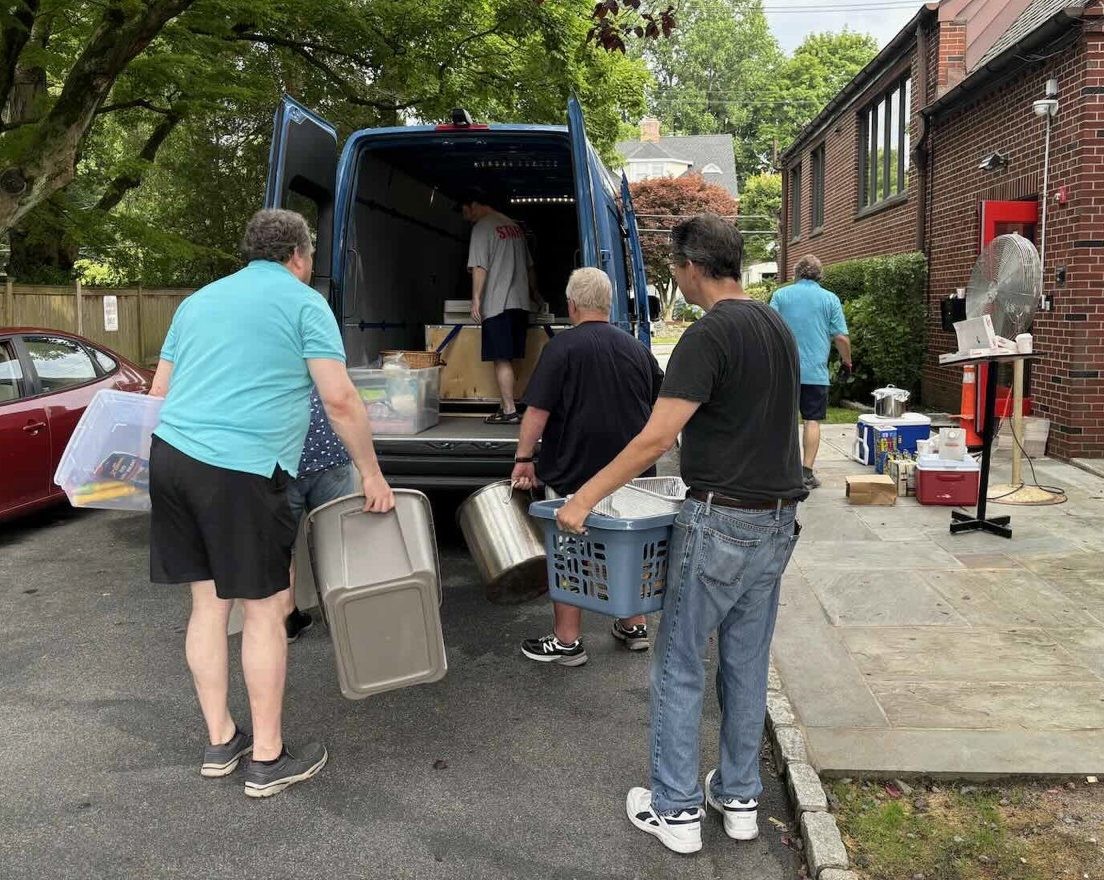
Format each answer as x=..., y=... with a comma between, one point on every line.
x=590, y=289
x=275, y=234
x=714, y=245
x=809, y=268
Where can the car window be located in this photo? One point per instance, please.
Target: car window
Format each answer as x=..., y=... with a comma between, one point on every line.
x=11, y=374
x=59, y=363
x=107, y=364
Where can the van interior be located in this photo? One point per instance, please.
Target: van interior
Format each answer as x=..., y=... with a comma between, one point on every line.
x=407, y=244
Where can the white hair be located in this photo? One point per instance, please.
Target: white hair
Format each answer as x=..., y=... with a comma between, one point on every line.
x=590, y=289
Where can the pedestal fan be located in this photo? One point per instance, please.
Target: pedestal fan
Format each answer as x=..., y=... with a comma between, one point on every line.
x=1005, y=286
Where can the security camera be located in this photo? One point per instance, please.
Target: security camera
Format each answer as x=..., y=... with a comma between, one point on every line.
x=993, y=162
x=1045, y=107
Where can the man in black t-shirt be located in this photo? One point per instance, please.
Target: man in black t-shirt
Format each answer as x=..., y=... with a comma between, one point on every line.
x=591, y=393
x=732, y=390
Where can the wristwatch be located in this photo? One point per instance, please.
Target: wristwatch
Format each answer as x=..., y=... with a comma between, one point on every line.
x=524, y=459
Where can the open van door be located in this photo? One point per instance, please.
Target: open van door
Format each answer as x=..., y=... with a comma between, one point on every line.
x=584, y=185
x=636, y=261
x=302, y=176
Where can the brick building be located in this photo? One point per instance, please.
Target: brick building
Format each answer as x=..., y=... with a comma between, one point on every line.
x=894, y=164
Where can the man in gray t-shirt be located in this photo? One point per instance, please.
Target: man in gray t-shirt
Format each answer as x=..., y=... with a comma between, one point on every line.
x=503, y=282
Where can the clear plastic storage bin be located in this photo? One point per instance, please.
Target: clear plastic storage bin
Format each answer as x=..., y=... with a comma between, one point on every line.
x=400, y=401
x=106, y=463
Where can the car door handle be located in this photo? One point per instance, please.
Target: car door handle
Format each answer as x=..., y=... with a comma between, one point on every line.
x=34, y=427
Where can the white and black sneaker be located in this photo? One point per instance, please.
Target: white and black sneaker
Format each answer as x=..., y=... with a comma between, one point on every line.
x=635, y=638
x=680, y=832
x=741, y=818
x=264, y=779
x=549, y=649
x=222, y=760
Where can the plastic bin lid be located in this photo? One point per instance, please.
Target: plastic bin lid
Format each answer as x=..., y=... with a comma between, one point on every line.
x=935, y=463
x=908, y=419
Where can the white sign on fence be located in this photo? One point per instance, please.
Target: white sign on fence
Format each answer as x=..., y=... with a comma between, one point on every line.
x=111, y=313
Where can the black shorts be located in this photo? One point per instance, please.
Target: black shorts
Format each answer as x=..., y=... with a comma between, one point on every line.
x=209, y=523
x=814, y=402
x=504, y=335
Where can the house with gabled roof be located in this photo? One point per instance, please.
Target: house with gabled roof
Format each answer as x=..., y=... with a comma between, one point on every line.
x=710, y=155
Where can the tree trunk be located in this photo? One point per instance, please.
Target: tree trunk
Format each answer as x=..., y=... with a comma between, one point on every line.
x=42, y=250
x=46, y=161
x=669, y=296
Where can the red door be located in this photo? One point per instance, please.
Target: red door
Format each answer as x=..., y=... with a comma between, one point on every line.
x=1005, y=218
x=24, y=437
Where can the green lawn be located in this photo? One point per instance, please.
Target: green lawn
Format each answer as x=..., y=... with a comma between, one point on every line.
x=839, y=415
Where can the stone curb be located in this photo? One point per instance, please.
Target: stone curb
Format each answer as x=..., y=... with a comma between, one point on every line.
x=824, y=850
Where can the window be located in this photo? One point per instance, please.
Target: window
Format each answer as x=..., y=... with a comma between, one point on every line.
x=795, y=202
x=11, y=374
x=884, y=145
x=107, y=364
x=818, y=187
x=59, y=363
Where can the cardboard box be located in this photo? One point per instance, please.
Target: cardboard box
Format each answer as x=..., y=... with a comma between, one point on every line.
x=877, y=489
x=903, y=472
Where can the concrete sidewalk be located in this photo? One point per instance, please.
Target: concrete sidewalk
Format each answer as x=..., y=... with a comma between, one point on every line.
x=907, y=649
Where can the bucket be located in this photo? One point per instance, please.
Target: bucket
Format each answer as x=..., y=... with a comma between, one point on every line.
x=507, y=546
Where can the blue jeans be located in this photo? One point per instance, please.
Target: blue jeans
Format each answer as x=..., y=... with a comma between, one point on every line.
x=725, y=572
x=310, y=491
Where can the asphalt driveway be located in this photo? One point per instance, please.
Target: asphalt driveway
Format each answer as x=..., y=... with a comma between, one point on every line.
x=504, y=769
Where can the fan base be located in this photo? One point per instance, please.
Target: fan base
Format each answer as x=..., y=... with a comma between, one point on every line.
x=1022, y=494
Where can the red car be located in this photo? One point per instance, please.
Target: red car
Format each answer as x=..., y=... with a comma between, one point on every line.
x=47, y=378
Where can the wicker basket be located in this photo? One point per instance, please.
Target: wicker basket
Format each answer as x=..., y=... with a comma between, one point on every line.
x=417, y=360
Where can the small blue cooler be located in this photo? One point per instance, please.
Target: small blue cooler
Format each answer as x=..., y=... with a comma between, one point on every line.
x=910, y=428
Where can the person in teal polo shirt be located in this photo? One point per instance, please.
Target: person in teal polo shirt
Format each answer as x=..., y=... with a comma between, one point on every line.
x=815, y=317
x=236, y=371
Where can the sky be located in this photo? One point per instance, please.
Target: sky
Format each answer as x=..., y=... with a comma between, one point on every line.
x=881, y=18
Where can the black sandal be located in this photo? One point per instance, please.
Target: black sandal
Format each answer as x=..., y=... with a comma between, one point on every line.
x=503, y=418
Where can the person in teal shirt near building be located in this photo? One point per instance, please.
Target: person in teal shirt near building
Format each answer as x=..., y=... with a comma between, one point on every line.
x=815, y=317
x=236, y=371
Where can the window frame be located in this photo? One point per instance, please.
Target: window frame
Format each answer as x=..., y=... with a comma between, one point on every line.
x=874, y=176
x=39, y=388
x=24, y=387
x=817, y=159
x=795, y=201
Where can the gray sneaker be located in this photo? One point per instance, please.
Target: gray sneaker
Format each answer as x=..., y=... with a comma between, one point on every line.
x=223, y=760
x=265, y=780
x=809, y=479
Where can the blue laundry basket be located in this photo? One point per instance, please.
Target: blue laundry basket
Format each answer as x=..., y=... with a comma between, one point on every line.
x=619, y=568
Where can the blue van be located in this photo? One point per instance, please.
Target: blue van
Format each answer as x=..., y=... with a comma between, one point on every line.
x=392, y=247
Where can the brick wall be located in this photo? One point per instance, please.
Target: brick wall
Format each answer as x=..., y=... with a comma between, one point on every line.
x=847, y=232
x=1065, y=384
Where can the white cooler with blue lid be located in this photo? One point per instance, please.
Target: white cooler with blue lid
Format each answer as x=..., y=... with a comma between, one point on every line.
x=910, y=428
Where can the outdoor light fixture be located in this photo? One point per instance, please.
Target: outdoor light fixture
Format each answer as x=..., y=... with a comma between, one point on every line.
x=994, y=162
x=1045, y=107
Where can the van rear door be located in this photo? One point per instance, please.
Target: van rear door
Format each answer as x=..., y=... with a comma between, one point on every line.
x=584, y=185
x=302, y=176
x=636, y=261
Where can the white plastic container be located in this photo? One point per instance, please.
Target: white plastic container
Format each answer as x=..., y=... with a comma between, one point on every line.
x=952, y=444
x=106, y=463
x=400, y=401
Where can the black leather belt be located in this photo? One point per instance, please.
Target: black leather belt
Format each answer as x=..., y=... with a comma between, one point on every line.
x=725, y=501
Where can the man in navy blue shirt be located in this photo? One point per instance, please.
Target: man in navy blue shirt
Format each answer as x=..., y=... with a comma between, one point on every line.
x=325, y=474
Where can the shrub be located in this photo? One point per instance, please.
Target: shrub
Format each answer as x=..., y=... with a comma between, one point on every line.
x=683, y=311
x=846, y=280
x=886, y=320
x=761, y=290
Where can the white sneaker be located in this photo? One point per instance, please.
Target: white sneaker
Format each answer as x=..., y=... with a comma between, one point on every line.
x=741, y=818
x=680, y=833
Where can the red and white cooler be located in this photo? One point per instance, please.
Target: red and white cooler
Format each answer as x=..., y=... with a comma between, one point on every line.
x=945, y=481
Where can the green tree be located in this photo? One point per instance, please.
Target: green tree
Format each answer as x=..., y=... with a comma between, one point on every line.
x=822, y=65
x=169, y=114
x=662, y=202
x=710, y=75
x=760, y=213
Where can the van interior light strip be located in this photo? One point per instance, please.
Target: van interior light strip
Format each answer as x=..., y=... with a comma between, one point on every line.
x=542, y=200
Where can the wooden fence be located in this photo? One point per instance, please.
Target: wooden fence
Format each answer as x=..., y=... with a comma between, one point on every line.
x=143, y=315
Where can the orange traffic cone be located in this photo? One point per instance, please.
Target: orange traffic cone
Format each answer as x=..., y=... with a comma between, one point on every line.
x=968, y=413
